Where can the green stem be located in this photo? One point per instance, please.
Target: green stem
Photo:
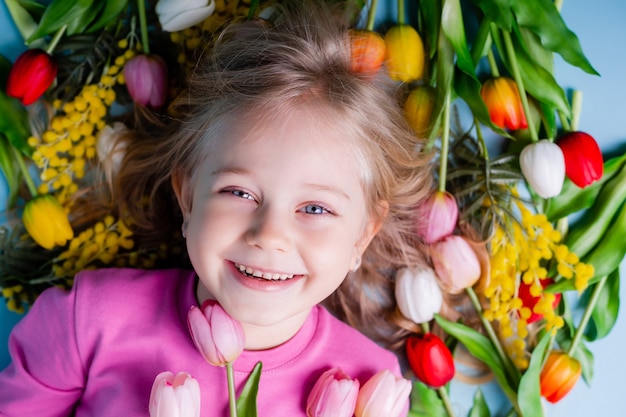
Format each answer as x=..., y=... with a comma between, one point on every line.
x=577, y=105
x=141, y=7
x=443, y=394
x=55, y=40
x=401, y=12
x=445, y=139
x=481, y=140
x=493, y=66
x=29, y=180
x=231, y=389
x=510, y=368
x=520, y=84
x=564, y=123
x=426, y=327
x=586, y=315
x=371, y=15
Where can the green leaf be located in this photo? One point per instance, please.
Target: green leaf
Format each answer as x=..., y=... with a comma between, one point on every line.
x=568, y=284
x=425, y=402
x=453, y=27
x=529, y=398
x=112, y=9
x=481, y=348
x=479, y=406
x=23, y=20
x=246, y=402
x=76, y=15
x=585, y=357
x=543, y=18
x=497, y=11
x=604, y=314
x=430, y=24
x=10, y=169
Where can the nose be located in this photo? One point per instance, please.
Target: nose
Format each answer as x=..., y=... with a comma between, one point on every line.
x=269, y=230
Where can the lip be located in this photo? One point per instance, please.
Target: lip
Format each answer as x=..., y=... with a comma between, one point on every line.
x=260, y=284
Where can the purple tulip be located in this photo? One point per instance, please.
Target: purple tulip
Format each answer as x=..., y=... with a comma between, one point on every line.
x=146, y=80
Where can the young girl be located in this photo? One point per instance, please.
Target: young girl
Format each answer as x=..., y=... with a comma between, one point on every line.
x=294, y=181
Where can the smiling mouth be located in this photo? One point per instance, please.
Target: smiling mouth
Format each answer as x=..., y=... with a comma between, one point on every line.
x=253, y=273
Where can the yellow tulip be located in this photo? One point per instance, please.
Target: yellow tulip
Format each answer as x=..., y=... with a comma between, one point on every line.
x=404, y=53
x=46, y=222
x=418, y=109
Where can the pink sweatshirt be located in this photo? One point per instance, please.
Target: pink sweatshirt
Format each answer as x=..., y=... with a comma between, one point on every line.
x=95, y=350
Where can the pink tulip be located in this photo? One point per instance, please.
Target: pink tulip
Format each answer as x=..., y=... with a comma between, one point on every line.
x=174, y=396
x=384, y=394
x=456, y=264
x=146, y=80
x=437, y=216
x=333, y=395
x=218, y=337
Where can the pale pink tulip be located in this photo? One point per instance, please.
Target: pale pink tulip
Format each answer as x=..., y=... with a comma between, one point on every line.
x=456, y=264
x=175, y=396
x=384, y=394
x=437, y=216
x=418, y=294
x=333, y=395
x=218, y=337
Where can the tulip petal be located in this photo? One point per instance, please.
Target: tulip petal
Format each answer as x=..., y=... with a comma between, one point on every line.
x=186, y=19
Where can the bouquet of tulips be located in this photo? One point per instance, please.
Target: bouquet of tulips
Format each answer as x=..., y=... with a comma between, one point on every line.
x=506, y=264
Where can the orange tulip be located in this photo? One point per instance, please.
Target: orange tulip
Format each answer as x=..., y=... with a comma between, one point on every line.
x=503, y=101
x=367, y=51
x=558, y=376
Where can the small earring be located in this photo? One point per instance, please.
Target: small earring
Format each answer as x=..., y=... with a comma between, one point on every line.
x=357, y=264
x=184, y=229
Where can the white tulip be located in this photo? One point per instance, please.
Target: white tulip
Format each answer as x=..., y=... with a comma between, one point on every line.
x=175, y=15
x=110, y=149
x=418, y=294
x=543, y=166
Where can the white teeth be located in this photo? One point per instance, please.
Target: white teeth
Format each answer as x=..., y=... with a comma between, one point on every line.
x=264, y=275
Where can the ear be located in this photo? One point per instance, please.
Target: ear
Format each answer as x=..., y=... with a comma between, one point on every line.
x=181, y=186
x=373, y=226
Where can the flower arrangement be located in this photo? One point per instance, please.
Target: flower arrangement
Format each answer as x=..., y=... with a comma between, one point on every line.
x=506, y=265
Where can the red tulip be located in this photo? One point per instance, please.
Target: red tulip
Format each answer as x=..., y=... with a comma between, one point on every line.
x=146, y=80
x=583, y=158
x=31, y=75
x=219, y=338
x=437, y=216
x=430, y=359
x=333, y=395
x=558, y=376
x=528, y=300
x=503, y=101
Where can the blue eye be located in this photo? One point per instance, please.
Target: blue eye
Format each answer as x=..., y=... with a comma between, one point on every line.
x=315, y=209
x=242, y=194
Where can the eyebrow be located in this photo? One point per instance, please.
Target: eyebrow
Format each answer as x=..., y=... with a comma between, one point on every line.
x=315, y=186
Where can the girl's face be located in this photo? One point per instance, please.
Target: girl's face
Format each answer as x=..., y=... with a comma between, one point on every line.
x=276, y=219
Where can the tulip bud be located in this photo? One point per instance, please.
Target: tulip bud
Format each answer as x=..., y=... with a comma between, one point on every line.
x=530, y=301
x=559, y=375
x=456, y=264
x=384, y=394
x=333, y=395
x=404, y=53
x=46, y=222
x=418, y=109
x=367, y=51
x=418, y=294
x=146, y=80
x=31, y=75
x=543, y=166
x=437, y=216
x=503, y=101
x=219, y=338
x=175, y=396
x=583, y=158
x=175, y=15
x=430, y=359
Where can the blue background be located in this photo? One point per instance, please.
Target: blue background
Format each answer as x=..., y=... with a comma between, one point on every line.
x=602, y=32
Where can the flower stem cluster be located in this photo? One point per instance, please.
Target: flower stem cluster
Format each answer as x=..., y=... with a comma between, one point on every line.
x=521, y=254
x=62, y=152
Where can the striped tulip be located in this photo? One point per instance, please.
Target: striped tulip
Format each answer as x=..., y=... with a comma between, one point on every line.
x=503, y=101
x=558, y=376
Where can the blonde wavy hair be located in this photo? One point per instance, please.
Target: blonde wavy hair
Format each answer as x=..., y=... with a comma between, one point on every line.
x=257, y=70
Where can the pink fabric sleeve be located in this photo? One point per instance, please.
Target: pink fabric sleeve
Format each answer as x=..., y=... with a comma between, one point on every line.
x=46, y=376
